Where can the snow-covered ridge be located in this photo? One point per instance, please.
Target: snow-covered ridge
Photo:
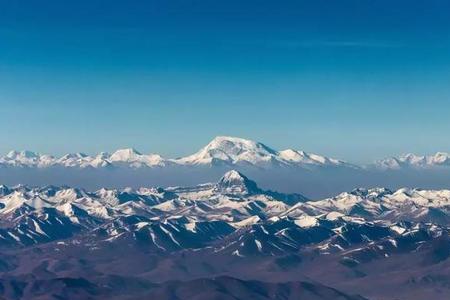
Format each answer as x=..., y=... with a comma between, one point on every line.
x=440, y=159
x=233, y=191
x=233, y=198
x=221, y=150
x=121, y=157
x=178, y=218
x=382, y=204
x=238, y=151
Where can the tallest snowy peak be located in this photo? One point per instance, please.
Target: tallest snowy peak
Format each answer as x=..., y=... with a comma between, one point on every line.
x=235, y=145
x=231, y=150
x=238, y=151
x=125, y=155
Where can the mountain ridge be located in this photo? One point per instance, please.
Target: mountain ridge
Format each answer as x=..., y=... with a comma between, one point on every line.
x=75, y=238
x=220, y=151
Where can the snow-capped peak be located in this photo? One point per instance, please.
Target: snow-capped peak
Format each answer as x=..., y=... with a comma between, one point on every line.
x=292, y=155
x=296, y=156
x=26, y=158
x=101, y=160
x=233, y=176
x=134, y=158
x=128, y=154
x=413, y=159
x=416, y=161
x=74, y=160
x=239, y=151
x=74, y=155
x=230, y=150
x=222, y=150
x=234, y=182
x=440, y=158
x=25, y=154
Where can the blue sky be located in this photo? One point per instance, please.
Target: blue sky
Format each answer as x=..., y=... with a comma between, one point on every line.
x=358, y=80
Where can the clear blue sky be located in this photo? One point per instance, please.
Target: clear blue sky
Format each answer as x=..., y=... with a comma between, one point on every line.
x=357, y=80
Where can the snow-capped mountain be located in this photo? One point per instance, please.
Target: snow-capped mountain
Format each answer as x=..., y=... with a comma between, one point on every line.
x=27, y=159
x=132, y=158
x=291, y=170
x=222, y=151
x=231, y=150
x=234, y=198
x=231, y=225
x=234, y=182
x=440, y=159
x=301, y=157
x=36, y=215
x=382, y=204
x=81, y=160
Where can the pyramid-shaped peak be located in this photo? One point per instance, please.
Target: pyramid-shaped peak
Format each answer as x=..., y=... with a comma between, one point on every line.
x=233, y=175
x=234, y=182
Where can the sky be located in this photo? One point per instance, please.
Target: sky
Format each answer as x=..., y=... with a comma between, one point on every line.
x=357, y=80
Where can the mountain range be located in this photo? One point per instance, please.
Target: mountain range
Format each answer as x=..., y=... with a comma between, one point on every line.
x=222, y=150
x=291, y=171
x=221, y=240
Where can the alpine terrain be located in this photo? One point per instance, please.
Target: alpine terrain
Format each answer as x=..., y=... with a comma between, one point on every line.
x=225, y=240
